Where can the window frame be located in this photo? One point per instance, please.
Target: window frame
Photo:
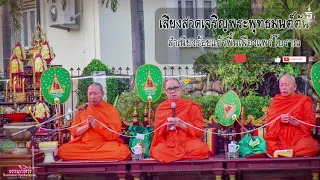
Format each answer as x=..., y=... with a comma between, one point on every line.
x=183, y=15
x=196, y=4
x=214, y=9
x=21, y=35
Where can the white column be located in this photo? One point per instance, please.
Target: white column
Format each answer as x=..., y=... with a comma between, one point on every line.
x=200, y=15
x=43, y=15
x=96, y=15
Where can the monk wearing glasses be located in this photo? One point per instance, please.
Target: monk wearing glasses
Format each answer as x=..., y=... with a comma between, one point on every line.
x=176, y=140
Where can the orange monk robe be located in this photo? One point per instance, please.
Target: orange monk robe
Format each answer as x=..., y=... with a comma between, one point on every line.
x=166, y=146
x=98, y=143
x=281, y=136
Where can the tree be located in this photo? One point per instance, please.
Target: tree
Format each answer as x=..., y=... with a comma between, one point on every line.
x=281, y=9
x=247, y=77
x=137, y=31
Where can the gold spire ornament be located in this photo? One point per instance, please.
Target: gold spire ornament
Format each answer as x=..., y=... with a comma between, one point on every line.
x=40, y=53
x=40, y=45
x=20, y=52
x=15, y=68
x=47, y=52
x=39, y=66
x=7, y=89
x=41, y=111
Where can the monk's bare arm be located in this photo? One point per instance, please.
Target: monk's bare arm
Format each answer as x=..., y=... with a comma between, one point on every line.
x=81, y=130
x=294, y=122
x=182, y=125
x=176, y=122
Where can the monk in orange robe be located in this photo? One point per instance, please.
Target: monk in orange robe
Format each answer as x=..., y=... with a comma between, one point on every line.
x=286, y=132
x=91, y=140
x=177, y=141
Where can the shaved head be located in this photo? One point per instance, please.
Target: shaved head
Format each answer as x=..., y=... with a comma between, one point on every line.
x=95, y=94
x=289, y=78
x=287, y=85
x=97, y=85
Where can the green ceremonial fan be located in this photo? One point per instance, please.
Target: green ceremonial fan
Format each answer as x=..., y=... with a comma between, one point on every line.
x=149, y=82
x=56, y=85
x=228, y=108
x=315, y=77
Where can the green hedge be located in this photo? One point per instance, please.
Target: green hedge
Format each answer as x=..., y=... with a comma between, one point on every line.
x=127, y=102
x=207, y=103
x=112, y=83
x=254, y=104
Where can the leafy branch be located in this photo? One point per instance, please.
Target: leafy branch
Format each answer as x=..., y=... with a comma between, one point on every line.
x=15, y=11
x=281, y=9
x=114, y=4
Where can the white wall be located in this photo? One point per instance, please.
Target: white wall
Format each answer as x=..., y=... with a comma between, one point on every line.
x=115, y=34
x=77, y=47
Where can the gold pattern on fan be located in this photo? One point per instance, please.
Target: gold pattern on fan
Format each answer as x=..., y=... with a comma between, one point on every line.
x=149, y=85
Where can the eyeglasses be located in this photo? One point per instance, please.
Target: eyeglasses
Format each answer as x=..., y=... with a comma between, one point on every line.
x=175, y=89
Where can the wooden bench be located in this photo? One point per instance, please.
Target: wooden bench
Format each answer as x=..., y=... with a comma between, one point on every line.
x=9, y=160
x=271, y=164
x=213, y=164
x=83, y=167
x=218, y=165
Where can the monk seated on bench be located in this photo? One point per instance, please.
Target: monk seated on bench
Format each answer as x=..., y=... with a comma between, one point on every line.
x=178, y=141
x=288, y=133
x=93, y=141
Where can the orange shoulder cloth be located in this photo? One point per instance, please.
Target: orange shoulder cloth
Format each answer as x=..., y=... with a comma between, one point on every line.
x=286, y=105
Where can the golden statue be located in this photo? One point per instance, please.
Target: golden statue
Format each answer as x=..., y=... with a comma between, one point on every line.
x=37, y=40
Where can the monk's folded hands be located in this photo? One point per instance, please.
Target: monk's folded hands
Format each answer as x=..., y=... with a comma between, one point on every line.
x=92, y=121
x=294, y=122
x=181, y=124
x=285, y=118
x=176, y=122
